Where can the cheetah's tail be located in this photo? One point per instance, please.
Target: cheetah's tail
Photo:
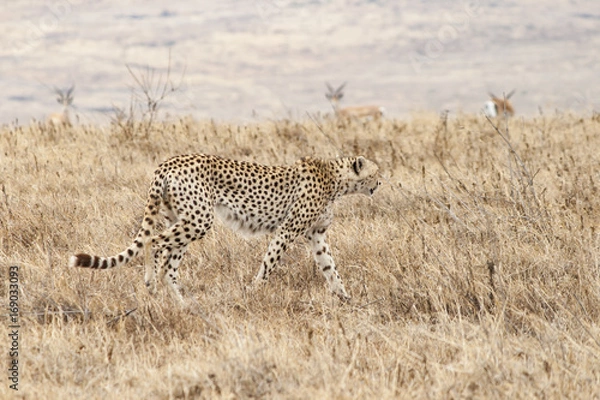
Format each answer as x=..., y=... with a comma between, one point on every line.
x=141, y=241
x=95, y=262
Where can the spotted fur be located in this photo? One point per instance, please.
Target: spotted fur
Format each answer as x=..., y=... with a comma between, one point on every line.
x=285, y=201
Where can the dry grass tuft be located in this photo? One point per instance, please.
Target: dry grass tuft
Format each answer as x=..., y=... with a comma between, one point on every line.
x=474, y=271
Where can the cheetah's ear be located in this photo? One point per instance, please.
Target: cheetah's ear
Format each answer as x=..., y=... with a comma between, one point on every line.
x=358, y=164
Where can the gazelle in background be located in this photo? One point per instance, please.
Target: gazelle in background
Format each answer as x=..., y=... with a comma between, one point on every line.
x=65, y=99
x=334, y=97
x=499, y=106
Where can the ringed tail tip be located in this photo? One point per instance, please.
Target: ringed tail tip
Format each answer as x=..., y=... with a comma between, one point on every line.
x=80, y=260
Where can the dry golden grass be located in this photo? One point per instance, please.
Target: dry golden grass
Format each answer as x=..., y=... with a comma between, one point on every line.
x=474, y=270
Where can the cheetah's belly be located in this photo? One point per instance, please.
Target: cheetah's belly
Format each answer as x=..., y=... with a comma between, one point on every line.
x=242, y=223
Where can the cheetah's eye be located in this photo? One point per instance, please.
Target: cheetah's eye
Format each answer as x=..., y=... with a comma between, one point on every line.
x=358, y=165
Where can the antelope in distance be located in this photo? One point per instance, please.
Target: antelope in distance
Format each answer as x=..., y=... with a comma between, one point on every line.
x=64, y=98
x=499, y=106
x=334, y=97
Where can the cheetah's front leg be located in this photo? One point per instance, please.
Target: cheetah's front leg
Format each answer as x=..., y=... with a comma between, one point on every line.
x=325, y=263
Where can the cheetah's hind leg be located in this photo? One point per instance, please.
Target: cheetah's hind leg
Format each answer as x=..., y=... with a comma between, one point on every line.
x=157, y=256
x=152, y=263
x=171, y=246
x=169, y=274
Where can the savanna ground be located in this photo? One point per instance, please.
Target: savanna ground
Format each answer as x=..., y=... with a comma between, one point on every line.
x=473, y=270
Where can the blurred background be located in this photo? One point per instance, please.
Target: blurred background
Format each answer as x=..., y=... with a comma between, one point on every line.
x=240, y=61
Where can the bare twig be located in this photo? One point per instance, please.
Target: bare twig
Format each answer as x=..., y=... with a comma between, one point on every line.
x=150, y=91
x=340, y=152
x=124, y=315
x=517, y=158
x=379, y=300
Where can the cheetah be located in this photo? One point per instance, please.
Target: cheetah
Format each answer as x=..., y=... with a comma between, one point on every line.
x=285, y=201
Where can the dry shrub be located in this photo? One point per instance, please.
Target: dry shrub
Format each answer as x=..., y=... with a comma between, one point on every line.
x=474, y=270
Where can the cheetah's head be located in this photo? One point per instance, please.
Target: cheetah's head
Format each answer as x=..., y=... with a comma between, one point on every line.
x=360, y=175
